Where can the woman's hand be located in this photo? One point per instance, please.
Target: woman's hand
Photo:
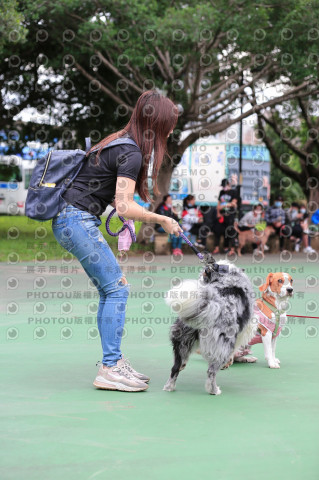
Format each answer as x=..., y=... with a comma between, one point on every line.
x=171, y=226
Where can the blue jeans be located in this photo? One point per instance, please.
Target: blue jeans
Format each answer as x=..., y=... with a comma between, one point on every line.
x=77, y=231
x=176, y=242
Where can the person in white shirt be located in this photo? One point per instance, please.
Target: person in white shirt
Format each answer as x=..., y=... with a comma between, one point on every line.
x=248, y=223
x=252, y=218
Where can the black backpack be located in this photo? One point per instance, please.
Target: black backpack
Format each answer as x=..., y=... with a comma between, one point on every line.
x=51, y=177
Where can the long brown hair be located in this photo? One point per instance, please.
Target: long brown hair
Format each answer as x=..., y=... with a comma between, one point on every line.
x=153, y=118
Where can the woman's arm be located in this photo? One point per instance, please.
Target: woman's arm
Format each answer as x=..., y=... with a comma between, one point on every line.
x=127, y=207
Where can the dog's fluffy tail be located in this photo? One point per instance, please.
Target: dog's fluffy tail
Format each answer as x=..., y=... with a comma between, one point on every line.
x=248, y=332
x=190, y=302
x=183, y=297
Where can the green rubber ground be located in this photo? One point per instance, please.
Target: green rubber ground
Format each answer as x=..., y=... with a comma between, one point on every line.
x=56, y=425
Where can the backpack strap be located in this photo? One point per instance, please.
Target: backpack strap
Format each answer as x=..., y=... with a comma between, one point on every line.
x=87, y=144
x=119, y=141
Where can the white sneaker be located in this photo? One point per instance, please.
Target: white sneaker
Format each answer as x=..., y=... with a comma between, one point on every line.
x=118, y=378
x=140, y=376
x=297, y=247
x=308, y=250
x=266, y=248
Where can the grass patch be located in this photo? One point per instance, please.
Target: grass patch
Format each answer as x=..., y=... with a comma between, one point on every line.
x=23, y=237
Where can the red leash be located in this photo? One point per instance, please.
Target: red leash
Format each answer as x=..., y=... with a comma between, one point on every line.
x=300, y=316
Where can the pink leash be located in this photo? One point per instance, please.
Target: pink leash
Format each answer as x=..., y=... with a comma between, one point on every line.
x=126, y=234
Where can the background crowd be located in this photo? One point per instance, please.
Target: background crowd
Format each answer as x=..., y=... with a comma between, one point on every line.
x=226, y=222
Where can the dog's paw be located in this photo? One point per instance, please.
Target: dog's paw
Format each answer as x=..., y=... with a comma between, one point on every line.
x=216, y=392
x=169, y=386
x=168, y=389
x=228, y=364
x=211, y=390
x=273, y=365
x=277, y=360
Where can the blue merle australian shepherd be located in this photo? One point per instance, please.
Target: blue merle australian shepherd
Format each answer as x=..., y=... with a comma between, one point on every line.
x=215, y=313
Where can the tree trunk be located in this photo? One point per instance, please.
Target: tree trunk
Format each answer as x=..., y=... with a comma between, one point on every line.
x=313, y=199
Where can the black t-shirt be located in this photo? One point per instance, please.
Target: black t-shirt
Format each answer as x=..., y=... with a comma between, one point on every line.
x=94, y=187
x=226, y=196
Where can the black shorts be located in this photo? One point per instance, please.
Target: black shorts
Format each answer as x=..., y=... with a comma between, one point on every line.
x=244, y=229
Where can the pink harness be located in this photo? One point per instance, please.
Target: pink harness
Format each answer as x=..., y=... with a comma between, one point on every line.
x=268, y=323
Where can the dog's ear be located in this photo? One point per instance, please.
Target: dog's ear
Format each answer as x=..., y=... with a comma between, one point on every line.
x=264, y=287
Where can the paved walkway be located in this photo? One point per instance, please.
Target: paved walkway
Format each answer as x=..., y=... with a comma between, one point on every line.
x=54, y=424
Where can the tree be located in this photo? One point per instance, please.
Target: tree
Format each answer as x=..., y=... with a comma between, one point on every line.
x=206, y=56
x=30, y=78
x=282, y=185
x=291, y=134
x=12, y=30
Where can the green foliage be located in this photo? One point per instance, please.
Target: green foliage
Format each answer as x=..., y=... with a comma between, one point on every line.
x=12, y=31
x=285, y=186
x=291, y=133
x=26, y=245
x=86, y=62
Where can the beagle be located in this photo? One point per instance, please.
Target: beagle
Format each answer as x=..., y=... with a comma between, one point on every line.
x=270, y=316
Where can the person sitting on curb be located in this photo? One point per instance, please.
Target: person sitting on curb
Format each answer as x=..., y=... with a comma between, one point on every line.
x=192, y=221
x=251, y=219
x=249, y=222
x=166, y=208
x=294, y=218
x=304, y=222
x=275, y=217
